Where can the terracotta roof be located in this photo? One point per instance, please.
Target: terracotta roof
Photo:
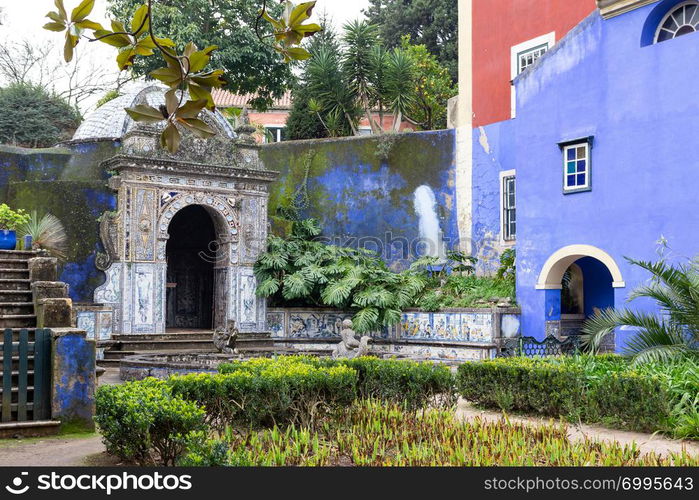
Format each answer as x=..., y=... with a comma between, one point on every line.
x=225, y=99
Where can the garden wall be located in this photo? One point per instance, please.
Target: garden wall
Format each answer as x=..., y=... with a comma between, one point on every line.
x=394, y=194
x=450, y=335
x=68, y=182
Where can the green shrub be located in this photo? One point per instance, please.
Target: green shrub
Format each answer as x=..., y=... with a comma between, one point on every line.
x=408, y=383
x=142, y=421
x=585, y=388
x=264, y=392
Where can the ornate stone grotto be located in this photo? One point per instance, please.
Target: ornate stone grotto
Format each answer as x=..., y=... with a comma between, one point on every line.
x=222, y=176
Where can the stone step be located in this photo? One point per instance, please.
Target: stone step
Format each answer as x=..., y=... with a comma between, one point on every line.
x=197, y=335
x=166, y=345
x=15, y=295
x=244, y=342
x=14, y=264
x=18, y=254
x=9, y=273
x=17, y=320
x=15, y=284
x=16, y=308
x=33, y=428
x=109, y=363
x=109, y=354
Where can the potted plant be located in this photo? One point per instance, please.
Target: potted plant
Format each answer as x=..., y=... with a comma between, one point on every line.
x=10, y=220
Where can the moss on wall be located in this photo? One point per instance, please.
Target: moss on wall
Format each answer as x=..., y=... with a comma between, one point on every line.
x=78, y=205
x=364, y=186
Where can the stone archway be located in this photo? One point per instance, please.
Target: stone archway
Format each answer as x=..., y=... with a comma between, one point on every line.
x=586, y=272
x=220, y=252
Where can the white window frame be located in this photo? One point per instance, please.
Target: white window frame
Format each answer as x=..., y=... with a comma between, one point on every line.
x=504, y=174
x=548, y=40
x=588, y=167
x=667, y=16
x=365, y=130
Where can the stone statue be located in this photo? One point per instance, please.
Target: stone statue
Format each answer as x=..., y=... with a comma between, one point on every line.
x=350, y=347
x=225, y=338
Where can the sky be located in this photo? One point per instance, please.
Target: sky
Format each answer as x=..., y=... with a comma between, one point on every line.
x=24, y=19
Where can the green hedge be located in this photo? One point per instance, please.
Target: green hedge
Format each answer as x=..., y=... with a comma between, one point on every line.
x=408, y=383
x=569, y=387
x=142, y=421
x=262, y=392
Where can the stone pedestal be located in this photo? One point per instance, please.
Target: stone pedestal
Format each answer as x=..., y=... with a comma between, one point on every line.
x=73, y=377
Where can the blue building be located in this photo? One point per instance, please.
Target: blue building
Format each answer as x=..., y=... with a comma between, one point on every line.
x=602, y=160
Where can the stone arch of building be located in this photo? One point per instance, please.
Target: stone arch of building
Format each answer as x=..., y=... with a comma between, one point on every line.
x=221, y=209
x=552, y=272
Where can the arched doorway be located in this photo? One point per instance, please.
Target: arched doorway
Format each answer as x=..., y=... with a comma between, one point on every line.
x=190, y=270
x=578, y=281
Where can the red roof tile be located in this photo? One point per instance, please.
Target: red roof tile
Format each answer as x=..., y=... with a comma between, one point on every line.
x=225, y=99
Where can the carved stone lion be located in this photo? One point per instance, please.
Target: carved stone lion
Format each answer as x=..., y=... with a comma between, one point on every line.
x=225, y=338
x=350, y=347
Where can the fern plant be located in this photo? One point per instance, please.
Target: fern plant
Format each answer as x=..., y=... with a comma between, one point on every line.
x=301, y=271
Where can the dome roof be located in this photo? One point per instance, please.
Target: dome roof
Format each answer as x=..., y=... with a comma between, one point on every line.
x=110, y=121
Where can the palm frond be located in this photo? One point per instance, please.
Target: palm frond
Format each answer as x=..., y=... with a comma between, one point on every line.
x=47, y=233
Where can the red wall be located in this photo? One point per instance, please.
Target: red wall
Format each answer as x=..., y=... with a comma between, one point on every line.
x=500, y=24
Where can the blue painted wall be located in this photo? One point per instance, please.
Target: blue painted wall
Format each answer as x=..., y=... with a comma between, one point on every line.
x=68, y=182
x=362, y=188
x=640, y=104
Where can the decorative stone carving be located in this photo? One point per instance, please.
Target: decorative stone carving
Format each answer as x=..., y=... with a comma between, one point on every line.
x=109, y=235
x=350, y=347
x=225, y=338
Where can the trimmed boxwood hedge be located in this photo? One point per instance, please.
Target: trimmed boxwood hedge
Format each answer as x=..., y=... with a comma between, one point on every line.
x=566, y=387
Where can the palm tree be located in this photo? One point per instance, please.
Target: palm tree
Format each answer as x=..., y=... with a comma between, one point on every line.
x=672, y=334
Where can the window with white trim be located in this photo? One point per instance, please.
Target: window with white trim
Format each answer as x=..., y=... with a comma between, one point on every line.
x=683, y=19
x=576, y=166
x=509, y=211
x=526, y=54
x=275, y=134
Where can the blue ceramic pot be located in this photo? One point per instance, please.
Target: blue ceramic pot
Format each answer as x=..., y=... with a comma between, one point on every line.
x=8, y=239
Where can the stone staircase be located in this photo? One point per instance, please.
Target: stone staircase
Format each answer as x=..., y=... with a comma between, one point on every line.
x=16, y=304
x=121, y=346
x=17, y=313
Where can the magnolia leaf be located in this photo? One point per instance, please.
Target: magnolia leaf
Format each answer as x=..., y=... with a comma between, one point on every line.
x=212, y=79
x=89, y=25
x=61, y=9
x=165, y=42
x=71, y=42
x=171, y=101
x=198, y=93
x=118, y=26
x=125, y=58
x=55, y=16
x=143, y=50
x=169, y=76
x=278, y=25
x=297, y=53
x=170, y=138
x=308, y=29
x=299, y=14
x=199, y=60
x=145, y=114
x=198, y=127
x=189, y=49
x=54, y=26
x=138, y=23
x=191, y=109
x=82, y=11
x=110, y=38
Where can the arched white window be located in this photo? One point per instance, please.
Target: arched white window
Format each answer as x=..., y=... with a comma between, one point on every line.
x=681, y=20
